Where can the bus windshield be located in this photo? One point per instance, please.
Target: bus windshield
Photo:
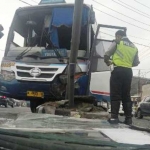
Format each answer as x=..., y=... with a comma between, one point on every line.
x=46, y=28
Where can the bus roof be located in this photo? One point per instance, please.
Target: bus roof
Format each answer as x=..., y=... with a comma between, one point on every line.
x=48, y=6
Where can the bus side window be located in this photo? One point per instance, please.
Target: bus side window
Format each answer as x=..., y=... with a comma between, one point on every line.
x=98, y=64
x=18, y=40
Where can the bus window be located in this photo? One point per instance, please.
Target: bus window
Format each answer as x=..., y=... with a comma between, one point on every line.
x=18, y=40
x=98, y=64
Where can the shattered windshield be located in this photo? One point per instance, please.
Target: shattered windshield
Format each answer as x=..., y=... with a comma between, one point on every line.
x=30, y=29
x=41, y=31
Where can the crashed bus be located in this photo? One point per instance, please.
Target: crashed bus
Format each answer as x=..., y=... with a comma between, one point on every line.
x=35, y=63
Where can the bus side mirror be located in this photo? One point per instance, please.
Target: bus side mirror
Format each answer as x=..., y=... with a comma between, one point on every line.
x=1, y=33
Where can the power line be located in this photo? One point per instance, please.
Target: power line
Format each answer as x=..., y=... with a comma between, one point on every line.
x=134, y=8
x=144, y=49
x=142, y=4
x=139, y=38
x=147, y=53
x=34, y=1
x=25, y=2
x=133, y=36
x=145, y=56
x=141, y=44
x=145, y=59
x=121, y=13
x=133, y=42
x=122, y=20
x=131, y=9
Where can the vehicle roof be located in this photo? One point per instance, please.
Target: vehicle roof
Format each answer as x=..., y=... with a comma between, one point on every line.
x=48, y=6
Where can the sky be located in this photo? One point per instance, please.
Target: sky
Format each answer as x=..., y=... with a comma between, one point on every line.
x=134, y=16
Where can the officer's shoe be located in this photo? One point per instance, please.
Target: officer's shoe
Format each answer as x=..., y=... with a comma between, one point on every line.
x=113, y=120
x=128, y=121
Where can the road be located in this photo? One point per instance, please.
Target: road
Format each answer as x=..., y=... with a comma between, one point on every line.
x=12, y=113
x=145, y=122
x=14, y=110
x=9, y=113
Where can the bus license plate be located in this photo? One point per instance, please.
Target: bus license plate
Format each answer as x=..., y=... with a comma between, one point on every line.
x=35, y=94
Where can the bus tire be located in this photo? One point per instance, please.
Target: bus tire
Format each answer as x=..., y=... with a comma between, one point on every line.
x=33, y=105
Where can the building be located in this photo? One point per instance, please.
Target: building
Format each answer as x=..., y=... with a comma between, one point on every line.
x=137, y=84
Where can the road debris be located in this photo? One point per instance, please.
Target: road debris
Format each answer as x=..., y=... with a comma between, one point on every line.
x=84, y=108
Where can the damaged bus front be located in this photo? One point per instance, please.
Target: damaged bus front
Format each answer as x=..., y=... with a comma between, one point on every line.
x=37, y=52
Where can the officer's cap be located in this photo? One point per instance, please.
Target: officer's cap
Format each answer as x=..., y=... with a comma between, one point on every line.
x=121, y=33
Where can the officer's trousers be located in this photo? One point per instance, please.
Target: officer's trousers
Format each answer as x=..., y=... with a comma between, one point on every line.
x=120, y=86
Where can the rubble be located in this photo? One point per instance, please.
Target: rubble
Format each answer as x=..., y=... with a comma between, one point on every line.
x=84, y=108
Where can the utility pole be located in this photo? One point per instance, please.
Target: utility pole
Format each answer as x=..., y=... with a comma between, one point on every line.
x=75, y=41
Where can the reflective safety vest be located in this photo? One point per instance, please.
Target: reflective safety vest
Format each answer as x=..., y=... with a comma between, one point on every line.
x=124, y=54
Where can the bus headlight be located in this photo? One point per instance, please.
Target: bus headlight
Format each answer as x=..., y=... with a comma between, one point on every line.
x=8, y=75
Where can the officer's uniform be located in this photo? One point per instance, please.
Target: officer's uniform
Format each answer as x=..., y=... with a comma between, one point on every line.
x=124, y=57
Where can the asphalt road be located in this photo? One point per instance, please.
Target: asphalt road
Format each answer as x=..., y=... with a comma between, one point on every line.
x=12, y=113
x=145, y=122
x=9, y=113
x=15, y=110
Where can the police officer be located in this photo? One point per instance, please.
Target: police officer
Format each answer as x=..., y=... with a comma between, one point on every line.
x=124, y=56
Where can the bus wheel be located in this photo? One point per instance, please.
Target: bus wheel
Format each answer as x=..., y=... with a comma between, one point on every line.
x=33, y=106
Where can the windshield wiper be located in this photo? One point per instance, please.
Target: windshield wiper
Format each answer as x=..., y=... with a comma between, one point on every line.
x=20, y=56
x=41, y=57
x=58, y=55
x=55, y=50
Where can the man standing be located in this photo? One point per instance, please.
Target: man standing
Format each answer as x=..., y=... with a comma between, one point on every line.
x=124, y=57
